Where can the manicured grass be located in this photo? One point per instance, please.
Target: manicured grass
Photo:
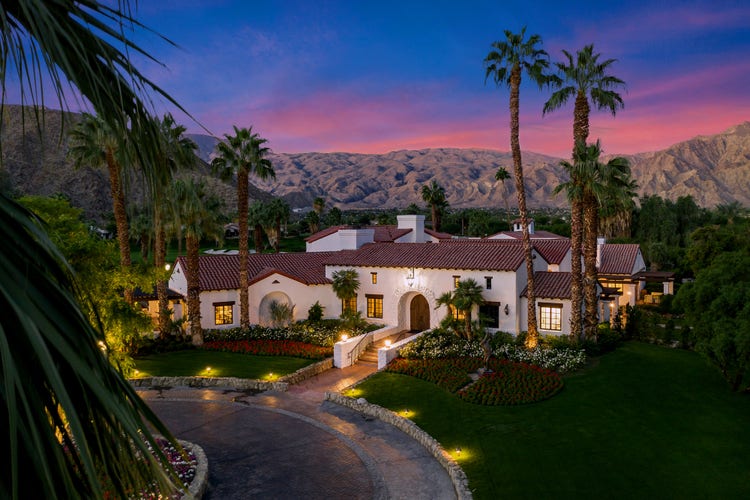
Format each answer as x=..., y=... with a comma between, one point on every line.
x=223, y=364
x=642, y=422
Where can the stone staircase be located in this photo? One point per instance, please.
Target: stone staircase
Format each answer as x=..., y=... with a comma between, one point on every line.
x=370, y=356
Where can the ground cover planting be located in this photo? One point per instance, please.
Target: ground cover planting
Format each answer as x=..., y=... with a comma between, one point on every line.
x=643, y=421
x=270, y=348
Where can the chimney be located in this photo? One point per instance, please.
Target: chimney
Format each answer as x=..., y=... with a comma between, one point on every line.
x=518, y=227
x=600, y=241
x=416, y=224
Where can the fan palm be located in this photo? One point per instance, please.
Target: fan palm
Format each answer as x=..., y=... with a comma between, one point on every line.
x=586, y=78
x=345, y=285
x=242, y=154
x=434, y=195
x=276, y=212
x=69, y=417
x=198, y=213
x=506, y=63
x=466, y=295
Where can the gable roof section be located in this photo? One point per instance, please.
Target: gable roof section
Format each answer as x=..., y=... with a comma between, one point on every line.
x=489, y=255
x=549, y=285
x=618, y=258
x=386, y=233
x=222, y=272
x=438, y=235
x=536, y=235
x=553, y=250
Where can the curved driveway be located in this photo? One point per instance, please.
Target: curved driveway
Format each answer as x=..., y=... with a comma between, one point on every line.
x=290, y=445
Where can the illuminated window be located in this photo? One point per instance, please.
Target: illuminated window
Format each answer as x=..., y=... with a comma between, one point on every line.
x=349, y=305
x=550, y=317
x=456, y=279
x=223, y=313
x=374, y=306
x=457, y=314
x=374, y=277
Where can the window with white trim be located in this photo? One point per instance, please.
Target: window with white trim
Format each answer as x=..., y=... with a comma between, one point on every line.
x=550, y=317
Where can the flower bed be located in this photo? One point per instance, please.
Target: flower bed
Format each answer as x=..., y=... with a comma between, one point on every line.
x=509, y=383
x=270, y=348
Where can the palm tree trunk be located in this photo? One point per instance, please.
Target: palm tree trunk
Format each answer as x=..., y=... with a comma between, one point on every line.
x=581, y=119
x=121, y=218
x=192, y=274
x=590, y=233
x=576, y=271
x=515, y=144
x=242, y=203
x=258, y=238
x=277, y=244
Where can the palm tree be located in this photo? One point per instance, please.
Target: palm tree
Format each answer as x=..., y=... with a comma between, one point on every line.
x=506, y=63
x=256, y=216
x=198, y=214
x=69, y=416
x=466, y=295
x=502, y=175
x=345, y=286
x=242, y=154
x=597, y=185
x=434, y=195
x=176, y=152
x=277, y=211
x=319, y=204
x=585, y=78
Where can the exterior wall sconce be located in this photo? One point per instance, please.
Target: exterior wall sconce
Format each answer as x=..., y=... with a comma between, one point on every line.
x=507, y=310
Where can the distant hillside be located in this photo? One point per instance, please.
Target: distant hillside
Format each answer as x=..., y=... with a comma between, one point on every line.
x=713, y=169
x=36, y=164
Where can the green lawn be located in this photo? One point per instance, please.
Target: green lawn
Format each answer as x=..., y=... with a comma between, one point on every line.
x=195, y=362
x=642, y=422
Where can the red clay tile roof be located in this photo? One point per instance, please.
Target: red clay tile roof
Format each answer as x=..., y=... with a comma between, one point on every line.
x=549, y=285
x=438, y=235
x=386, y=233
x=618, y=258
x=536, y=235
x=222, y=272
x=452, y=254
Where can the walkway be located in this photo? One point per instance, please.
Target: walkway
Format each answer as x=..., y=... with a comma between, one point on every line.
x=294, y=445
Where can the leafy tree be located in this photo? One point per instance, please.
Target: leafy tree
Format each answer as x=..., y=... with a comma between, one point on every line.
x=313, y=220
x=506, y=62
x=434, y=195
x=717, y=305
x=463, y=298
x=197, y=212
x=319, y=205
x=586, y=78
x=276, y=212
x=345, y=285
x=334, y=217
x=69, y=417
x=243, y=154
x=709, y=242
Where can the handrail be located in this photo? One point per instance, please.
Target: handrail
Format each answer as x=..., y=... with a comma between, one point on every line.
x=357, y=351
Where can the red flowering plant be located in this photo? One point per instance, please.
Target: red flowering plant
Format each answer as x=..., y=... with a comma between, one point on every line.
x=291, y=348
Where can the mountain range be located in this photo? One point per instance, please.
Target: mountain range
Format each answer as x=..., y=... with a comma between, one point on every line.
x=713, y=169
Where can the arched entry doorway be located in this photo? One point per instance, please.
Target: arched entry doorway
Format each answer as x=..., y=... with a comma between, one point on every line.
x=419, y=314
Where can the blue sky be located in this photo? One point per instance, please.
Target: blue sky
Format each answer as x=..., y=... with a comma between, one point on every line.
x=380, y=76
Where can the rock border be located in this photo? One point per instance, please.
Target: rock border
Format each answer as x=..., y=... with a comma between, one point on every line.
x=281, y=385
x=456, y=473
x=199, y=484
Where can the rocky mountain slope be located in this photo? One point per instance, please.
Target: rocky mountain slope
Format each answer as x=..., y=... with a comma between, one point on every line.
x=713, y=169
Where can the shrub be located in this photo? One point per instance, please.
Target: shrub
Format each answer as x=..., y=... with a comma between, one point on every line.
x=439, y=343
x=561, y=360
x=315, y=313
x=270, y=348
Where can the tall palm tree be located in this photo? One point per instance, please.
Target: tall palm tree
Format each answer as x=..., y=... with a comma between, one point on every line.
x=242, y=154
x=277, y=211
x=68, y=416
x=597, y=185
x=345, y=285
x=177, y=152
x=586, y=78
x=506, y=62
x=502, y=175
x=94, y=144
x=198, y=213
x=434, y=195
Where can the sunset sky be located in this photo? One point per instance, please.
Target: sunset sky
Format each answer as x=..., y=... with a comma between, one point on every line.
x=379, y=76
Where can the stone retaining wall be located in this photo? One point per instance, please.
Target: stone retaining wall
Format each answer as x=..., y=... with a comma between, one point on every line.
x=282, y=384
x=457, y=475
x=200, y=482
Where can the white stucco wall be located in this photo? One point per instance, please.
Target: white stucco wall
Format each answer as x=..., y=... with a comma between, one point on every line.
x=564, y=320
x=209, y=298
x=299, y=295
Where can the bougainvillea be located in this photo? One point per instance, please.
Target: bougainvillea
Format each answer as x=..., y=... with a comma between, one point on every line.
x=270, y=348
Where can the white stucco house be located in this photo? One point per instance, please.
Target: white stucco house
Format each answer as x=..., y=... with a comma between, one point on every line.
x=401, y=279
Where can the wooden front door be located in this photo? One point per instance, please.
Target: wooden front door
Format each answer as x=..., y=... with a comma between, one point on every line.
x=419, y=314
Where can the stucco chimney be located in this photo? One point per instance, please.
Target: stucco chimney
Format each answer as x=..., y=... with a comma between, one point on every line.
x=352, y=239
x=416, y=224
x=518, y=227
x=600, y=241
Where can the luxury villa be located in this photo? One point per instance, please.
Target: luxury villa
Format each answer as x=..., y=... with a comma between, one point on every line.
x=403, y=269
